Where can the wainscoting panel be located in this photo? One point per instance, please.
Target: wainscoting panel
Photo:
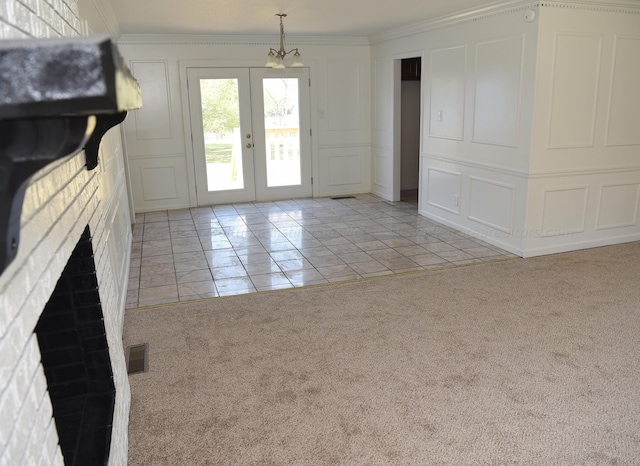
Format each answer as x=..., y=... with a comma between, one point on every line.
x=498, y=86
x=623, y=127
x=344, y=169
x=380, y=170
x=159, y=183
x=381, y=105
x=153, y=120
x=564, y=211
x=443, y=189
x=575, y=90
x=447, y=80
x=343, y=95
x=492, y=203
x=618, y=206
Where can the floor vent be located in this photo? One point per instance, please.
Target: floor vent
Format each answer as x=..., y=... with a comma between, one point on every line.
x=343, y=197
x=138, y=358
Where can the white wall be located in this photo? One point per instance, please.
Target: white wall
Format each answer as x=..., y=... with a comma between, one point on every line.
x=531, y=123
x=477, y=86
x=161, y=168
x=585, y=168
x=60, y=201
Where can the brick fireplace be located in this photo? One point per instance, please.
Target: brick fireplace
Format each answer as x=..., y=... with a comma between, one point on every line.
x=75, y=357
x=62, y=203
x=59, y=204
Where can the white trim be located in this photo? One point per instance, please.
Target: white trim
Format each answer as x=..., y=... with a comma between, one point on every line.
x=612, y=80
x=475, y=233
x=464, y=92
x=617, y=225
x=472, y=14
x=501, y=8
x=344, y=146
x=555, y=233
x=569, y=247
x=474, y=164
x=474, y=139
x=208, y=39
x=553, y=89
x=512, y=187
x=448, y=172
x=584, y=172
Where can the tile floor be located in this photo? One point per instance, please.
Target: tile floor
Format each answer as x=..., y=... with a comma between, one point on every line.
x=205, y=252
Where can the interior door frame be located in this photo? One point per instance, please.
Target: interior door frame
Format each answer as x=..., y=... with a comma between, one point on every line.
x=186, y=120
x=396, y=158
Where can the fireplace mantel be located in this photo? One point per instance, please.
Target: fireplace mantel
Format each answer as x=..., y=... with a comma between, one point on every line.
x=57, y=97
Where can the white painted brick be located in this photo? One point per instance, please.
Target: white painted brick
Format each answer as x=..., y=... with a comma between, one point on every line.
x=4, y=317
x=40, y=430
x=31, y=4
x=50, y=452
x=47, y=13
x=50, y=33
x=27, y=364
x=57, y=460
x=22, y=18
x=22, y=429
x=10, y=405
x=14, y=296
x=6, y=10
x=60, y=201
x=12, y=33
x=40, y=383
x=11, y=350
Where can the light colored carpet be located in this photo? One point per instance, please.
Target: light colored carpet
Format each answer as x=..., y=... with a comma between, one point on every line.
x=528, y=361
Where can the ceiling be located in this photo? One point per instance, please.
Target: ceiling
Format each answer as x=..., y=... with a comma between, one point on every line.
x=357, y=18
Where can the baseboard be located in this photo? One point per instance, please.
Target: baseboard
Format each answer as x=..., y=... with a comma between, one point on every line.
x=556, y=249
x=487, y=239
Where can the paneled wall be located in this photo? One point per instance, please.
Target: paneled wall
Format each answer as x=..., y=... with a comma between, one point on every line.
x=531, y=123
x=160, y=162
x=585, y=165
x=477, y=93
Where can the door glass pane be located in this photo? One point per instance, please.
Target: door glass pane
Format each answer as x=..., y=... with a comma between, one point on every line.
x=222, y=138
x=282, y=125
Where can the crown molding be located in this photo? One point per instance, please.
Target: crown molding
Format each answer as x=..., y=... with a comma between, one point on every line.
x=208, y=39
x=616, y=6
x=108, y=16
x=504, y=7
x=473, y=14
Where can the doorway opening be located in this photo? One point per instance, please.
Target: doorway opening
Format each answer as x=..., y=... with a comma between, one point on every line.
x=410, y=104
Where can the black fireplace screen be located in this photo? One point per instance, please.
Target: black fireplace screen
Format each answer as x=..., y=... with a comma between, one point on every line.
x=75, y=357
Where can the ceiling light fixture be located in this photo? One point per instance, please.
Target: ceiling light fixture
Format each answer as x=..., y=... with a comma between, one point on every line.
x=275, y=58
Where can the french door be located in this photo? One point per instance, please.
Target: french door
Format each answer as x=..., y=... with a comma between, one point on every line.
x=251, y=133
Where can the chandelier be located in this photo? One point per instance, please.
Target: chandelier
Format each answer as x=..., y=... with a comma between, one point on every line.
x=275, y=58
